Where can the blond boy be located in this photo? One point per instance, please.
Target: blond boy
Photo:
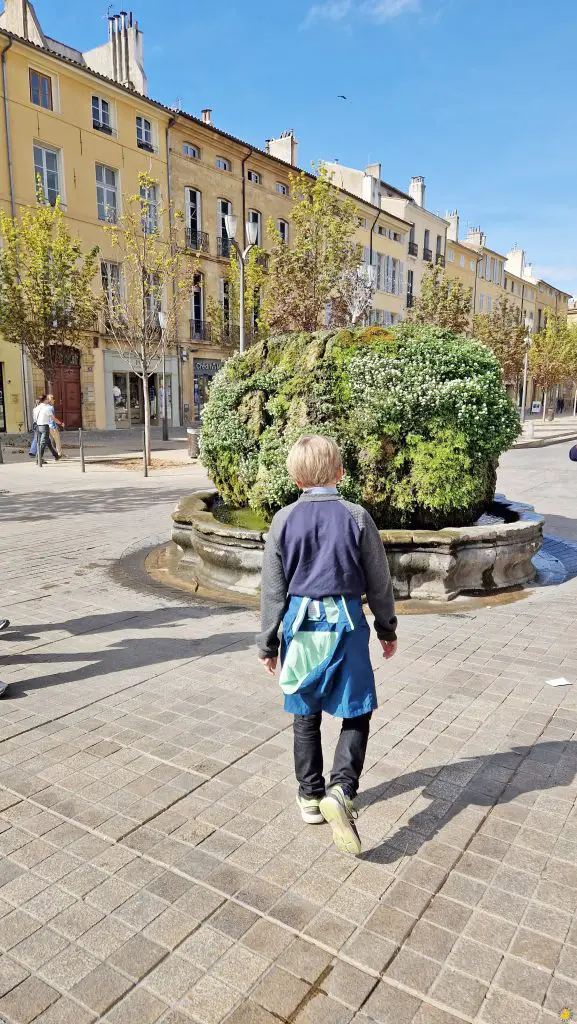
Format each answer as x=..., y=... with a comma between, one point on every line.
x=322, y=555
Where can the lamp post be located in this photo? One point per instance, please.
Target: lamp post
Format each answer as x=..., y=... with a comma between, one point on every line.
x=230, y=222
x=162, y=322
x=525, y=373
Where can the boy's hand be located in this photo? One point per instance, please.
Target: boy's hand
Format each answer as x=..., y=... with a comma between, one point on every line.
x=389, y=648
x=269, y=665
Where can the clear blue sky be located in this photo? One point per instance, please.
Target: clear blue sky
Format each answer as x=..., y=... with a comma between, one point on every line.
x=477, y=95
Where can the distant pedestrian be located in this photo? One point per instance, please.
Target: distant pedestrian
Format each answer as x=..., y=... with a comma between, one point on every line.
x=34, y=441
x=55, y=425
x=44, y=417
x=322, y=554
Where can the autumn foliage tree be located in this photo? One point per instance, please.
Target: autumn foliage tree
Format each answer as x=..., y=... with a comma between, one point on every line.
x=443, y=301
x=315, y=271
x=503, y=331
x=47, y=302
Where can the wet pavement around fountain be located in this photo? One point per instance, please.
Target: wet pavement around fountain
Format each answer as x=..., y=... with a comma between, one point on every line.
x=153, y=864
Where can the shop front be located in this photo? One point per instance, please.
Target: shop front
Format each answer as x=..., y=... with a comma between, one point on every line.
x=203, y=372
x=126, y=393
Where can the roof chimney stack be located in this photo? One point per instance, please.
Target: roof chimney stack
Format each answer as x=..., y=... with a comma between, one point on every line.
x=285, y=148
x=453, y=229
x=206, y=115
x=417, y=190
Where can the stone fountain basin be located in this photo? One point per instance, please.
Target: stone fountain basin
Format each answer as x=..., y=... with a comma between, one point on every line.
x=433, y=565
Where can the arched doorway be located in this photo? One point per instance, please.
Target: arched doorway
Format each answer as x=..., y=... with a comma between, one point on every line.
x=64, y=382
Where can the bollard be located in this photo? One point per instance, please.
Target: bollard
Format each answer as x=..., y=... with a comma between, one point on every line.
x=81, y=449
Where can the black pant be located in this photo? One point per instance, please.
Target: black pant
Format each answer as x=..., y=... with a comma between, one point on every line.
x=349, y=755
x=44, y=440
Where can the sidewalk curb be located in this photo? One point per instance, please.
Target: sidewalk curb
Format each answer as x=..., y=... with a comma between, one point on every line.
x=545, y=442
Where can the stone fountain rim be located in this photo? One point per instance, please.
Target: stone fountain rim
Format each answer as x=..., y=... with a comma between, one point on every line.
x=198, y=514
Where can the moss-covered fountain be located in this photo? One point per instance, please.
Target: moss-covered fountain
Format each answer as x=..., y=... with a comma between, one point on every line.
x=421, y=416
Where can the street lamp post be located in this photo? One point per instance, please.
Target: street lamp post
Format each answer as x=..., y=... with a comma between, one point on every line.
x=525, y=376
x=251, y=234
x=162, y=322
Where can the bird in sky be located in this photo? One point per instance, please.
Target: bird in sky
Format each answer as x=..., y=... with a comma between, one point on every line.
x=341, y=97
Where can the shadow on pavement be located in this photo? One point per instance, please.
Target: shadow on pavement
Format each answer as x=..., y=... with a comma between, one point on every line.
x=35, y=507
x=481, y=781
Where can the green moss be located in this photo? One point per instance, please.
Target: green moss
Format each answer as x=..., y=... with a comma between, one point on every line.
x=420, y=414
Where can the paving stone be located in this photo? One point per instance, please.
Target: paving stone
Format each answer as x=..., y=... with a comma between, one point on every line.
x=523, y=980
x=138, y=1006
x=475, y=959
x=205, y=946
x=347, y=984
x=25, y=1002
x=210, y=1000
x=538, y=949
x=250, y=1013
x=459, y=991
x=413, y=970
x=240, y=968
x=330, y=929
x=390, y=1005
x=141, y=909
x=105, y=937
x=100, y=989
x=11, y=974
x=137, y=957
x=280, y=992
x=490, y=930
x=173, y=978
x=233, y=920
x=502, y=1008
x=77, y=919
x=370, y=950
x=16, y=926
x=69, y=967
x=321, y=1009
x=64, y=1011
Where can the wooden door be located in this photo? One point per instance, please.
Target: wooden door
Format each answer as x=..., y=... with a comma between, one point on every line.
x=67, y=395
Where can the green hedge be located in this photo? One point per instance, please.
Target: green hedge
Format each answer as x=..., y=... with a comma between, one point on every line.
x=421, y=416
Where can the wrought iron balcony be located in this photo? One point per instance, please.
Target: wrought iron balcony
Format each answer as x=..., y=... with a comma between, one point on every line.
x=410, y=299
x=197, y=240
x=223, y=246
x=200, y=330
x=440, y=259
x=413, y=249
x=427, y=256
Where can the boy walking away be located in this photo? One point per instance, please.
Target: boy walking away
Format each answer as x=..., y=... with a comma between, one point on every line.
x=321, y=555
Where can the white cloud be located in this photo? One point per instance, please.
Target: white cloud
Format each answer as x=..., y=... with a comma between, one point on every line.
x=371, y=10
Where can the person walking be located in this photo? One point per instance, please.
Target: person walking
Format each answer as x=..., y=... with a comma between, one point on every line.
x=321, y=555
x=34, y=441
x=55, y=425
x=4, y=623
x=44, y=416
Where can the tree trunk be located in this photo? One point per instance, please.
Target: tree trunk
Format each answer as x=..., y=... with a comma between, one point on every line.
x=146, y=447
x=575, y=402
x=544, y=403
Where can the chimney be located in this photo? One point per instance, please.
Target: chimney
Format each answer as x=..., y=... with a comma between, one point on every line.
x=285, y=148
x=417, y=190
x=373, y=171
x=516, y=261
x=453, y=229
x=476, y=237
x=206, y=115
x=121, y=58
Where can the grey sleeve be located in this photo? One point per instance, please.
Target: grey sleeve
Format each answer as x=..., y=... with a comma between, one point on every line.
x=379, y=585
x=273, y=594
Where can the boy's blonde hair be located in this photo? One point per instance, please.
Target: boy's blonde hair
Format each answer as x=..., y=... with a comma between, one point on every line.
x=314, y=461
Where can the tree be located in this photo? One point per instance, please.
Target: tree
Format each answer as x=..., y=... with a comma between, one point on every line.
x=549, y=355
x=355, y=299
x=153, y=275
x=47, y=303
x=503, y=331
x=314, y=271
x=443, y=302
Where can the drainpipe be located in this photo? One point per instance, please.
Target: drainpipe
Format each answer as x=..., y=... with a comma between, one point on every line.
x=170, y=124
x=479, y=260
x=8, y=136
x=371, y=247
x=247, y=157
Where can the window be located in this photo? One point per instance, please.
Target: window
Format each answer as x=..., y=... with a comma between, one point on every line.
x=481, y=303
x=225, y=303
x=197, y=309
x=362, y=222
x=46, y=172
x=223, y=209
x=254, y=217
x=107, y=193
x=281, y=189
x=149, y=205
x=110, y=276
x=223, y=164
x=283, y=230
x=427, y=245
x=193, y=204
x=489, y=303
x=255, y=177
x=450, y=256
x=462, y=261
x=152, y=298
x=144, y=133
x=101, y=115
x=387, y=273
x=193, y=152
x=439, y=249
x=472, y=266
x=41, y=90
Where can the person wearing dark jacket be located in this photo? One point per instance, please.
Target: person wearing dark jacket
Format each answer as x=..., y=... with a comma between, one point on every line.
x=322, y=554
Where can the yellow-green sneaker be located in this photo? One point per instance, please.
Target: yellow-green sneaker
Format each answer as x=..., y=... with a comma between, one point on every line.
x=337, y=809
x=309, y=808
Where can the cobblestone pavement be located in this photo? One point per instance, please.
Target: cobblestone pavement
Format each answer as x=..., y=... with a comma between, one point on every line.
x=154, y=867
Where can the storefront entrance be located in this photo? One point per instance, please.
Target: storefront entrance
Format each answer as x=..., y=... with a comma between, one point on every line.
x=64, y=383
x=128, y=395
x=204, y=371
